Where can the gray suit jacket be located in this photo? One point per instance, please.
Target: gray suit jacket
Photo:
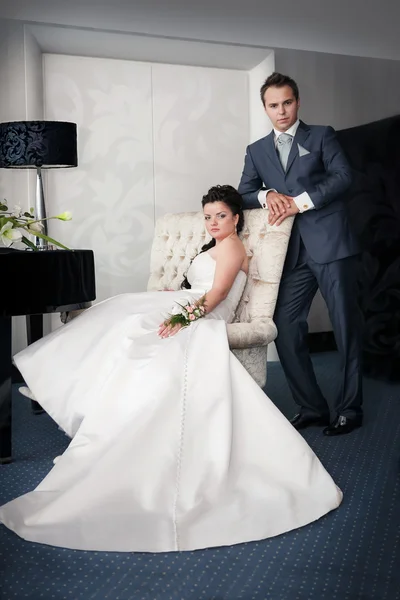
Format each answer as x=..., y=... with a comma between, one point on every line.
x=320, y=168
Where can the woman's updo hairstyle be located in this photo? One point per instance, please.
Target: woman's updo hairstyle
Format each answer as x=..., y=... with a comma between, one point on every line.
x=229, y=196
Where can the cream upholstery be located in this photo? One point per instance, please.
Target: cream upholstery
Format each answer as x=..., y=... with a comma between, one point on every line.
x=177, y=240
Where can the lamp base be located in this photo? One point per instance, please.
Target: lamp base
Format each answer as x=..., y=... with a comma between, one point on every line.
x=40, y=210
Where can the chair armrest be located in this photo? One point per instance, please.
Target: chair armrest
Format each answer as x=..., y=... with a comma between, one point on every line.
x=251, y=335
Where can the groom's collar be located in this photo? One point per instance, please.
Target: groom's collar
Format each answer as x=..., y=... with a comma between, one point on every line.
x=291, y=131
x=300, y=126
x=302, y=133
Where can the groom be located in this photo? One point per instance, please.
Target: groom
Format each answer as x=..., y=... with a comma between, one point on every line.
x=301, y=170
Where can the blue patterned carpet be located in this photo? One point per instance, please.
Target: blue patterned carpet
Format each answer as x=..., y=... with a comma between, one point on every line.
x=353, y=553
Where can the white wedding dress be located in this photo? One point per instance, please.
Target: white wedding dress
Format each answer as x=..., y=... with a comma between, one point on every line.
x=174, y=446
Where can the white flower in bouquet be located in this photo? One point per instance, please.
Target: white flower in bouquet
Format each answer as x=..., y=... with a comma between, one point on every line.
x=17, y=212
x=65, y=216
x=176, y=310
x=8, y=235
x=36, y=227
x=16, y=224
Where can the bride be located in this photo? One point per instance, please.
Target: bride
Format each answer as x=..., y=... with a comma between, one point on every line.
x=174, y=446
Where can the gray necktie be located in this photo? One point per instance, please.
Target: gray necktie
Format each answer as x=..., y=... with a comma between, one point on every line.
x=283, y=145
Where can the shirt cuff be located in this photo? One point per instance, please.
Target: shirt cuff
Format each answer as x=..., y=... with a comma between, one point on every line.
x=303, y=202
x=262, y=197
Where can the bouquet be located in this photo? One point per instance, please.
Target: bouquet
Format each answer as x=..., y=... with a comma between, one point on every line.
x=15, y=225
x=188, y=313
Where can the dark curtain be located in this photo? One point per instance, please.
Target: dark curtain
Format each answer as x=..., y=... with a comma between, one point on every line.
x=374, y=200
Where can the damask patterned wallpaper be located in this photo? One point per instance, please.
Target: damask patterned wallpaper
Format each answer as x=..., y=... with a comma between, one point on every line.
x=20, y=99
x=152, y=139
x=201, y=130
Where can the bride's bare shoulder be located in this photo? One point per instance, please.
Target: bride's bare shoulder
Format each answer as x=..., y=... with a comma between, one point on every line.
x=231, y=251
x=231, y=245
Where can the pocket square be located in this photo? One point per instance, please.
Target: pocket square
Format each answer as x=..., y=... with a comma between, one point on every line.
x=302, y=151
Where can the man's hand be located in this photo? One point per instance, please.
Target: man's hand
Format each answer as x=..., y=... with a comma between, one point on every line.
x=278, y=204
x=290, y=210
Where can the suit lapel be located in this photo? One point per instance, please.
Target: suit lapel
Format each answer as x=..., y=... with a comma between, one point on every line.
x=269, y=146
x=302, y=133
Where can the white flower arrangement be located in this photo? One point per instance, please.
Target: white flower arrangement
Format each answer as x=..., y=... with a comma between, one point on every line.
x=14, y=225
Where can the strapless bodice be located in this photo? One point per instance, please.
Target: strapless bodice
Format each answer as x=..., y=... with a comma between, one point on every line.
x=201, y=276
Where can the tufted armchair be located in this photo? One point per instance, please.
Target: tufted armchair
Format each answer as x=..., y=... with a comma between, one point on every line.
x=177, y=240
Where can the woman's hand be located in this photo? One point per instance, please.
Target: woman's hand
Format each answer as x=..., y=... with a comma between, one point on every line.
x=167, y=330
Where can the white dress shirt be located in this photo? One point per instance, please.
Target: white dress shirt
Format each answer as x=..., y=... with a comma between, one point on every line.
x=303, y=201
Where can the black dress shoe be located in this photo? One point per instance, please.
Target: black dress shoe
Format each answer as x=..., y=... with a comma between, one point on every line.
x=301, y=421
x=343, y=425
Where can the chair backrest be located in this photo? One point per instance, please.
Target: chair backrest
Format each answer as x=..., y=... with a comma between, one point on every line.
x=179, y=237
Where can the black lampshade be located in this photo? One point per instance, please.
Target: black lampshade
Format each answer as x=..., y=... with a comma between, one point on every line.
x=30, y=144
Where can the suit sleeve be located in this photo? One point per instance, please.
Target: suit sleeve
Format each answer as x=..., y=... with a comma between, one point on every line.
x=250, y=183
x=337, y=172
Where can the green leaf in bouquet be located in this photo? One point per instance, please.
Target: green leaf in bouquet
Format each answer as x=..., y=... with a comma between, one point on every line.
x=28, y=243
x=178, y=320
x=49, y=239
x=3, y=221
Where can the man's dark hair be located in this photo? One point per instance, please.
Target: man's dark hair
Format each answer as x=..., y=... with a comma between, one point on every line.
x=279, y=80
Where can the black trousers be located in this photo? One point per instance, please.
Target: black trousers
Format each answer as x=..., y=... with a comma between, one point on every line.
x=337, y=282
